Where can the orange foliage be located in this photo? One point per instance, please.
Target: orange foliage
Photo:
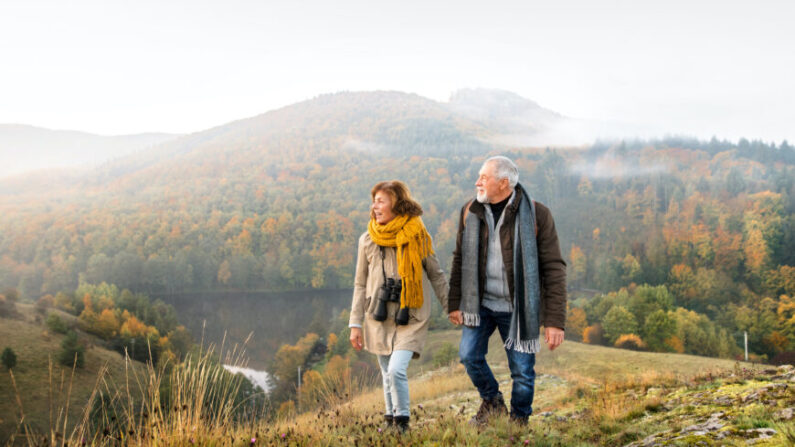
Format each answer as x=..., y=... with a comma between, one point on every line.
x=776, y=341
x=675, y=343
x=630, y=341
x=593, y=335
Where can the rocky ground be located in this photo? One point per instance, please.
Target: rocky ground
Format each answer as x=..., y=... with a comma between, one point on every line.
x=746, y=407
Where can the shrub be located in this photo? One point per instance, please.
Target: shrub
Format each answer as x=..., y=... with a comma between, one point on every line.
x=44, y=303
x=7, y=307
x=72, y=352
x=593, y=335
x=630, y=341
x=9, y=358
x=11, y=294
x=784, y=358
x=56, y=324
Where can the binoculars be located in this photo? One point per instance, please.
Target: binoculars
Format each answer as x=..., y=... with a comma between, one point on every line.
x=390, y=292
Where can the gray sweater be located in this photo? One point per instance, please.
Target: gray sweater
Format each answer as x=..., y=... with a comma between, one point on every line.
x=496, y=294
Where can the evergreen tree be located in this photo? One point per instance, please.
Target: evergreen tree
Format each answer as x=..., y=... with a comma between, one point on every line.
x=72, y=352
x=9, y=358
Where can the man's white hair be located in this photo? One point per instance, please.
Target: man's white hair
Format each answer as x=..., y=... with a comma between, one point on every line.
x=504, y=167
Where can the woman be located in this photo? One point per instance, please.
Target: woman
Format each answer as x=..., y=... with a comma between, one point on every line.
x=390, y=311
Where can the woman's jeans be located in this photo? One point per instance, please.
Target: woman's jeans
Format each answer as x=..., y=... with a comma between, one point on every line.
x=473, y=349
x=396, y=382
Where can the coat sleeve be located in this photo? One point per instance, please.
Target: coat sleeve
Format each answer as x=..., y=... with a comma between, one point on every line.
x=359, y=286
x=552, y=268
x=454, y=297
x=438, y=281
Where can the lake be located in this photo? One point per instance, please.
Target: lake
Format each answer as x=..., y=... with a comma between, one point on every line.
x=271, y=319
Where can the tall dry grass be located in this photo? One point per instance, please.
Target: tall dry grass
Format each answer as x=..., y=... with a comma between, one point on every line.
x=194, y=402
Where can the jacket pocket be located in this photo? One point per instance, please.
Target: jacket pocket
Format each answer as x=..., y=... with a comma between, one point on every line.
x=367, y=304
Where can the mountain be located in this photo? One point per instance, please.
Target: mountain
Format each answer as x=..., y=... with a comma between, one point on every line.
x=27, y=148
x=276, y=202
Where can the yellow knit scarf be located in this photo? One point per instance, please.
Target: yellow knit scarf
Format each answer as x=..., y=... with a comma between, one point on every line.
x=413, y=243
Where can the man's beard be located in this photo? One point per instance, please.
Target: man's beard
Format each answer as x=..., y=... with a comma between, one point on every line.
x=482, y=197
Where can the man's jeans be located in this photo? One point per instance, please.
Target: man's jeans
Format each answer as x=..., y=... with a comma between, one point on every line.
x=473, y=349
x=396, y=382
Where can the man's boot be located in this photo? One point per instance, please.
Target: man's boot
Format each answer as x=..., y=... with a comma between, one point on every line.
x=488, y=408
x=402, y=424
x=518, y=420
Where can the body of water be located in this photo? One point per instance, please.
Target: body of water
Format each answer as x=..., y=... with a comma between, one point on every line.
x=258, y=378
x=268, y=320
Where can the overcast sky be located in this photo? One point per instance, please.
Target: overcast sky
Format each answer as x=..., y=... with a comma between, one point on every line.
x=703, y=68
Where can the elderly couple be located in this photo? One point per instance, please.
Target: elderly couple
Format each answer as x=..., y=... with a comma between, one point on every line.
x=508, y=274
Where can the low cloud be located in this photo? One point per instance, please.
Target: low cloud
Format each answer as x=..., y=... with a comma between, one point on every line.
x=610, y=166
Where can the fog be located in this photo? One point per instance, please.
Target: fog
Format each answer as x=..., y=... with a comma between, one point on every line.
x=694, y=68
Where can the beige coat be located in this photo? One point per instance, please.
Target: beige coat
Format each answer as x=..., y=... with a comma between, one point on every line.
x=383, y=337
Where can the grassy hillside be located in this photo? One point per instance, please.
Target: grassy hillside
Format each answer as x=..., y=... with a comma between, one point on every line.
x=44, y=388
x=585, y=395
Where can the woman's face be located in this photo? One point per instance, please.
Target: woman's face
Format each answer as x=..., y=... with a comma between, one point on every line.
x=382, y=207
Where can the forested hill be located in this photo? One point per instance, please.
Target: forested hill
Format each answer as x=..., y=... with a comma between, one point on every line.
x=277, y=201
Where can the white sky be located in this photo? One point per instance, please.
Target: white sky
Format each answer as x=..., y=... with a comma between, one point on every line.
x=116, y=67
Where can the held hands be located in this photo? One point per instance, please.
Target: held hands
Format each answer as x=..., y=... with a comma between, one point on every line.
x=356, y=338
x=456, y=317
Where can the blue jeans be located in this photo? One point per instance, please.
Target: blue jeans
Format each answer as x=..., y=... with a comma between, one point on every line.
x=396, y=382
x=473, y=349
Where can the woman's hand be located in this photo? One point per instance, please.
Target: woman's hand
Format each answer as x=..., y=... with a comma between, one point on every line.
x=356, y=338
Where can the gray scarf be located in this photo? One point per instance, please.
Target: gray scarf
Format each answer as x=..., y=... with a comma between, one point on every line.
x=525, y=322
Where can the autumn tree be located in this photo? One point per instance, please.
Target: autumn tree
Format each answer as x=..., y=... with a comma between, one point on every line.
x=618, y=321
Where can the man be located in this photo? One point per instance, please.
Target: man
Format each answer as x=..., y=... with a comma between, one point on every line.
x=508, y=274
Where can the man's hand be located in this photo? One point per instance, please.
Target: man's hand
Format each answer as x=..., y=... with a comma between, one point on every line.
x=553, y=337
x=356, y=338
x=456, y=317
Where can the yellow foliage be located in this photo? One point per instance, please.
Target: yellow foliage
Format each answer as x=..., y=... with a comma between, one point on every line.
x=107, y=325
x=332, y=341
x=576, y=322
x=577, y=269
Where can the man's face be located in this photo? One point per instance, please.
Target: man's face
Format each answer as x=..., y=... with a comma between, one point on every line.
x=489, y=188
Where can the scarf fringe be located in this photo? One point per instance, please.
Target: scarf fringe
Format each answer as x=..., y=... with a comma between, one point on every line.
x=471, y=320
x=532, y=346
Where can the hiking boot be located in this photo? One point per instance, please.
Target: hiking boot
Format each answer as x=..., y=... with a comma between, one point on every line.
x=389, y=421
x=488, y=408
x=402, y=424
